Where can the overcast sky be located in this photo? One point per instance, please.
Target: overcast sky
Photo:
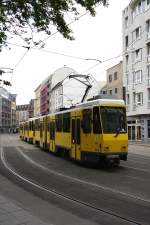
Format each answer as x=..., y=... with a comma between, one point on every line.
x=99, y=37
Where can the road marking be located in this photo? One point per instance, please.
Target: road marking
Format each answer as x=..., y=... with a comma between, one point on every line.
x=135, y=168
x=83, y=181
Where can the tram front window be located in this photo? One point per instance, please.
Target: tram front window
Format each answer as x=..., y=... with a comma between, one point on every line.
x=113, y=120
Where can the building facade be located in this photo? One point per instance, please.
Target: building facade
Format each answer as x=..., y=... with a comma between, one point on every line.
x=66, y=92
x=114, y=84
x=13, y=111
x=59, y=91
x=37, y=102
x=44, y=96
x=31, y=108
x=22, y=113
x=136, y=68
x=7, y=110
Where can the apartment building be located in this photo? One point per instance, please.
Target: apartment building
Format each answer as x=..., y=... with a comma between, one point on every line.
x=7, y=110
x=114, y=81
x=37, y=103
x=136, y=68
x=22, y=113
x=44, y=95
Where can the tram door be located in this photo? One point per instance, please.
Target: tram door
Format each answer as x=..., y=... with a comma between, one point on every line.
x=75, y=138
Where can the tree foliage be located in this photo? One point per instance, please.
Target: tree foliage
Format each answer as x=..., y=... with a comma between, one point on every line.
x=18, y=17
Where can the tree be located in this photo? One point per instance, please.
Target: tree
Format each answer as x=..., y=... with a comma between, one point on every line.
x=19, y=16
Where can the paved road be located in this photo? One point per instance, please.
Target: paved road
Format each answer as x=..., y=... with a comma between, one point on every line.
x=47, y=186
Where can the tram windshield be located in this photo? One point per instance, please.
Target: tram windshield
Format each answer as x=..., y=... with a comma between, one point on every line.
x=113, y=120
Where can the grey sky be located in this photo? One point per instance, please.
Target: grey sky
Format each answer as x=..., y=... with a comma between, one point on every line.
x=99, y=37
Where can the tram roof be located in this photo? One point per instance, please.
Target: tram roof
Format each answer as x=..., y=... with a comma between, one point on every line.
x=100, y=102
x=93, y=103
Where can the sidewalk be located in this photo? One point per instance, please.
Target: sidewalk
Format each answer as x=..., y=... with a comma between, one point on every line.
x=140, y=148
x=11, y=214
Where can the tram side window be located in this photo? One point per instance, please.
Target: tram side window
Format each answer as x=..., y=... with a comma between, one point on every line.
x=66, y=122
x=59, y=122
x=48, y=126
x=96, y=121
x=37, y=125
x=86, y=122
x=31, y=125
x=41, y=129
x=52, y=130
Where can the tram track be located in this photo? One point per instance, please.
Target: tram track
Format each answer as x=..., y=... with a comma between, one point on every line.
x=61, y=195
x=79, y=180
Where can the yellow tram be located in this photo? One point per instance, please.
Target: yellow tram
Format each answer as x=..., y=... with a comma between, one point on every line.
x=95, y=131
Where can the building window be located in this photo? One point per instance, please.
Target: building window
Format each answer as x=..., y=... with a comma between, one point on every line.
x=126, y=41
x=127, y=59
x=139, y=98
x=128, y=99
x=148, y=52
x=148, y=28
x=148, y=128
x=137, y=55
x=116, y=90
x=148, y=75
x=136, y=34
x=115, y=76
x=110, y=92
x=110, y=78
x=139, y=7
x=148, y=4
x=137, y=77
x=126, y=21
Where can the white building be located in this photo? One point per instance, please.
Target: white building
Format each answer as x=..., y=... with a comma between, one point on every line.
x=136, y=67
x=37, y=101
x=67, y=92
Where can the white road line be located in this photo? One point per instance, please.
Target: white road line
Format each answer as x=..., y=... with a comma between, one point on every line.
x=139, y=169
x=84, y=182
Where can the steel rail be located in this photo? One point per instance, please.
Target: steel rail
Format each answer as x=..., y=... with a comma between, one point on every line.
x=58, y=194
x=82, y=181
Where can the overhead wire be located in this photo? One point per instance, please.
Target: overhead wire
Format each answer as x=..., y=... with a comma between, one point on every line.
x=29, y=48
x=70, y=56
x=77, y=57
